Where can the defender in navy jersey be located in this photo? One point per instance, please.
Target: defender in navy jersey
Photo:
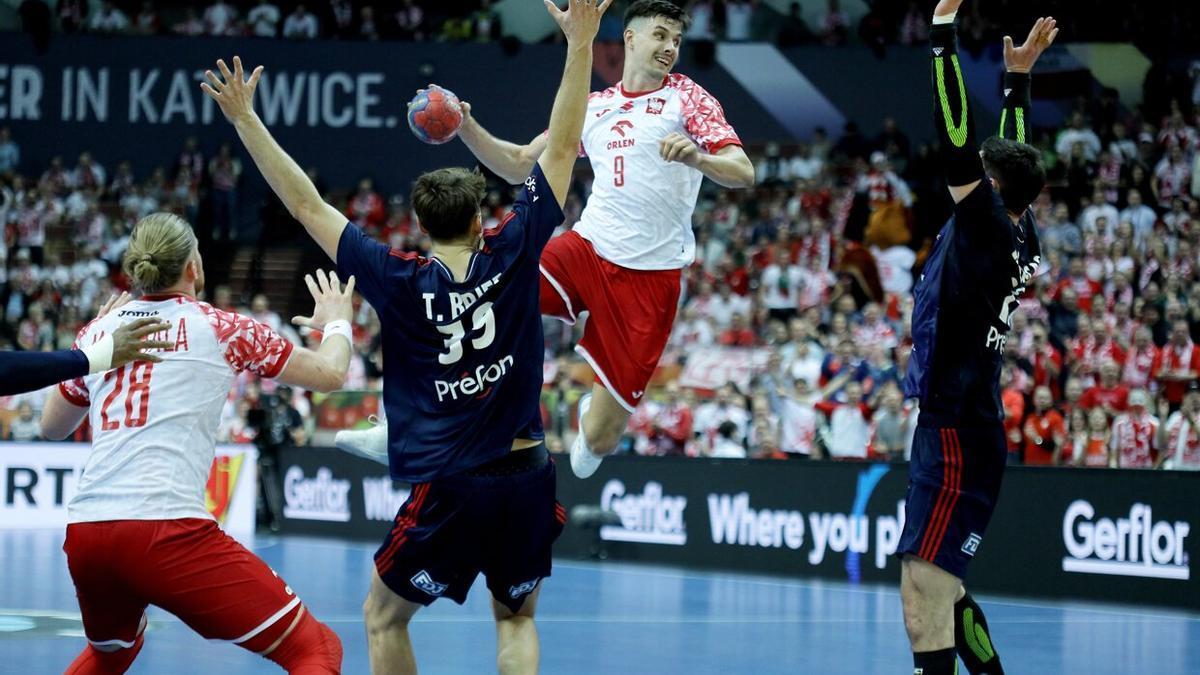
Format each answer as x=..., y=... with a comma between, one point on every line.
x=463, y=350
x=969, y=288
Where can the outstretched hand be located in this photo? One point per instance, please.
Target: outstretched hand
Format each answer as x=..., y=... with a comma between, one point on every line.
x=232, y=91
x=581, y=20
x=1041, y=36
x=332, y=302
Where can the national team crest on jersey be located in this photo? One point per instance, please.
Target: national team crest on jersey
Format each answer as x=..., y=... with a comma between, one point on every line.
x=424, y=582
x=655, y=106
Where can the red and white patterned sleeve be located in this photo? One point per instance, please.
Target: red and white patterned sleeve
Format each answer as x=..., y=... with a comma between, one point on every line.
x=704, y=118
x=76, y=390
x=248, y=344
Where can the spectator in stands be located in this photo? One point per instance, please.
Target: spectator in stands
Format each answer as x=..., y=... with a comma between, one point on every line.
x=1078, y=132
x=225, y=171
x=1179, y=439
x=220, y=18
x=1134, y=434
x=25, y=427
x=108, y=19
x=409, y=21
x=1094, y=448
x=146, y=21
x=781, y=281
x=673, y=423
x=914, y=27
x=726, y=444
x=1172, y=177
x=366, y=208
x=794, y=31
x=835, y=25
x=300, y=24
x=486, y=25
x=738, y=334
x=10, y=152
x=191, y=25
x=737, y=20
x=895, y=423
x=263, y=19
x=848, y=435
x=338, y=19
x=724, y=407
x=1045, y=431
x=1109, y=393
x=368, y=28
x=1058, y=233
x=87, y=174
x=1140, y=217
x=1098, y=208
x=1178, y=364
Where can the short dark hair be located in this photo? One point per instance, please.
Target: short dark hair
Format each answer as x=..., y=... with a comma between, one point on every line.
x=653, y=8
x=1018, y=170
x=447, y=200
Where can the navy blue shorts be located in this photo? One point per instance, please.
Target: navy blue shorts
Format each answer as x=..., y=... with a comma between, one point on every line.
x=953, y=481
x=500, y=519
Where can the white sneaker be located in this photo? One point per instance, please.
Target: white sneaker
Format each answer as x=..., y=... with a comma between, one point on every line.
x=369, y=444
x=584, y=462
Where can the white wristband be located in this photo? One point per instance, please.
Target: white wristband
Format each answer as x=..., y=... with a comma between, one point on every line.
x=338, y=327
x=944, y=18
x=99, y=355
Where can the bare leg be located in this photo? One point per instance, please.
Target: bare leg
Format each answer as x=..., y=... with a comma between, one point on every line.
x=517, y=650
x=928, y=593
x=604, y=422
x=387, y=616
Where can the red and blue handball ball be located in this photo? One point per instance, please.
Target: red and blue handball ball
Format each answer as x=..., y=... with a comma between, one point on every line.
x=435, y=115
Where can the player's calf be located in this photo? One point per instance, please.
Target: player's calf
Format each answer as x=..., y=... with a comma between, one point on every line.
x=973, y=640
x=387, y=616
x=517, y=648
x=927, y=594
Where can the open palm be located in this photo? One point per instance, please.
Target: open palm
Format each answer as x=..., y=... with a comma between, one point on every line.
x=1041, y=36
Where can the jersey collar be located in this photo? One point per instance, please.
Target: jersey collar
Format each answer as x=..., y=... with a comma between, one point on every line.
x=156, y=297
x=638, y=94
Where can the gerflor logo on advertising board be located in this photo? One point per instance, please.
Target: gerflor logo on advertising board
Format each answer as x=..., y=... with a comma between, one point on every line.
x=319, y=498
x=1132, y=546
x=647, y=518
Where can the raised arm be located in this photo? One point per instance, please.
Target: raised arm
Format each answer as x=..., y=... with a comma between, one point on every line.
x=579, y=23
x=952, y=118
x=510, y=161
x=324, y=369
x=235, y=95
x=1018, y=64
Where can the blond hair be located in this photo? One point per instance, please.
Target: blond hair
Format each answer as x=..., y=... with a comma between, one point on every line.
x=159, y=249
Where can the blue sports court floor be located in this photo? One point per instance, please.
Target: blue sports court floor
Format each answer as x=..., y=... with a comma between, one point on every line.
x=605, y=618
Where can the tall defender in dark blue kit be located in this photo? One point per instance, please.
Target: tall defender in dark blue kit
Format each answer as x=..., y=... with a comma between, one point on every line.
x=463, y=350
x=970, y=286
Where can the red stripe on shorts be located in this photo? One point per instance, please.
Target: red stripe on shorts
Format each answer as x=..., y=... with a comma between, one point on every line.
x=404, y=521
x=952, y=449
x=928, y=550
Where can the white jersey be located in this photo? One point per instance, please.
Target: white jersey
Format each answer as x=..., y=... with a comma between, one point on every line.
x=639, y=215
x=154, y=425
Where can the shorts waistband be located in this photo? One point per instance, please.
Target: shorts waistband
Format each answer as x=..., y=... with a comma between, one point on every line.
x=515, y=462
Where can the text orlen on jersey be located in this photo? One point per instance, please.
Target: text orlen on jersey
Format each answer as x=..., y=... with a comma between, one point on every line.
x=1134, y=546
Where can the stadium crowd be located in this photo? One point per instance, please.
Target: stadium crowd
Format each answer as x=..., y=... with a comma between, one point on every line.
x=792, y=337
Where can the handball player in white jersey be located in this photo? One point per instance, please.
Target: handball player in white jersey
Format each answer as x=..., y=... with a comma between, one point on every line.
x=651, y=139
x=138, y=531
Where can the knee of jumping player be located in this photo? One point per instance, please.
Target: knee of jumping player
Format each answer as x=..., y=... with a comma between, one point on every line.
x=383, y=614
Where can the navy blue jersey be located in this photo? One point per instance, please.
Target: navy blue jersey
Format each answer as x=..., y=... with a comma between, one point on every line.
x=462, y=361
x=965, y=299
